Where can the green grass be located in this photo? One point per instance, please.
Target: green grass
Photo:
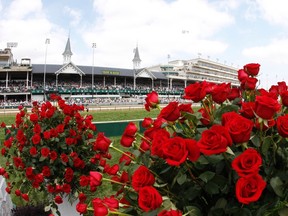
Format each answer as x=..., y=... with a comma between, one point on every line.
x=98, y=116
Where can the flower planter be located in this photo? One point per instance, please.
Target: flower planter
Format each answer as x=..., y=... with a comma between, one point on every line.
x=67, y=208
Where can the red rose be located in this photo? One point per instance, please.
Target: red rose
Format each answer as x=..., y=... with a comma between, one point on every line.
x=126, y=158
x=284, y=98
x=144, y=146
x=147, y=122
x=49, y=113
x=247, y=109
x=242, y=75
x=282, y=87
x=130, y=129
x=29, y=173
x=195, y=91
x=175, y=151
x=239, y=128
x=205, y=120
x=70, y=141
x=113, y=169
x=266, y=107
x=60, y=128
x=37, y=128
x=39, y=178
x=171, y=112
x=249, y=189
x=142, y=177
x=33, y=151
x=220, y=92
x=95, y=178
x=66, y=188
x=158, y=141
x=46, y=135
x=233, y=94
x=249, y=83
x=82, y=197
x=36, y=138
x=111, y=203
x=149, y=198
x=152, y=100
x=58, y=199
x=64, y=158
x=33, y=117
x=186, y=108
x=215, y=140
x=3, y=125
x=282, y=125
x=252, y=69
x=81, y=208
x=169, y=213
x=68, y=174
x=127, y=141
x=45, y=152
x=25, y=197
x=102, y=143
x=18, y=192
x=193, y=149
x=53, y=155
x=46, y=171
x=78, y=163
x=99, y=208
x=84, y=180
x=247, y=163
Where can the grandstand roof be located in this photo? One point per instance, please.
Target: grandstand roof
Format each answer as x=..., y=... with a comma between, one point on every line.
x=107, y=71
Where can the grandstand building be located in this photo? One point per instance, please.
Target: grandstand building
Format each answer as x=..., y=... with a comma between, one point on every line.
x=27, y=82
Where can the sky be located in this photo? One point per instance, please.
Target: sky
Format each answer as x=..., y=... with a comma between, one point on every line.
x=231, y=32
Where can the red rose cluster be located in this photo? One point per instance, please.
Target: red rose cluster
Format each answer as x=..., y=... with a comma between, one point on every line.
x=52, y=149
x=228, y=147
x=222, y=150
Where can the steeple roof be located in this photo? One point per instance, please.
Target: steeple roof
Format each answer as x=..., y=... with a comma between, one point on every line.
x=67, y=50
x=136, y=56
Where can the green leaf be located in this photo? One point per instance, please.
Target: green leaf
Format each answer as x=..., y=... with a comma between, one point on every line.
x=266, y=145
x=212, y=188
x=283, y=212
x=151, y=213
x=42, y=158
x=277, y=185
x=256, y=141
x=192, y=211
x=221, y=203
x=181, y=179
x=224, y=109
x=207, y=176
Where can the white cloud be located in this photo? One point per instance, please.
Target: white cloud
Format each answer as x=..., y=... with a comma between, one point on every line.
x=274, y=52
x=274, y=12
x=74, y=14
x=157, y=27
x=21, y=9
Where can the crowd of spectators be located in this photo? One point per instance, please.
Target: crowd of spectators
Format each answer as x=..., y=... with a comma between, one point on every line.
x=128, y=98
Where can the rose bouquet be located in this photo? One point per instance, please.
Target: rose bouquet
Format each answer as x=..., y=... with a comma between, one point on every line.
x=50, y=150
x=226, y=156
x=222, y=152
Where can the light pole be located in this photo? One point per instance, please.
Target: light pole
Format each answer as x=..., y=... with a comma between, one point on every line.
x=47, y=41
x=93, y=47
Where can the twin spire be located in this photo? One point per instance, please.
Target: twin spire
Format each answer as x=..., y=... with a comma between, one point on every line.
x=67, y=54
